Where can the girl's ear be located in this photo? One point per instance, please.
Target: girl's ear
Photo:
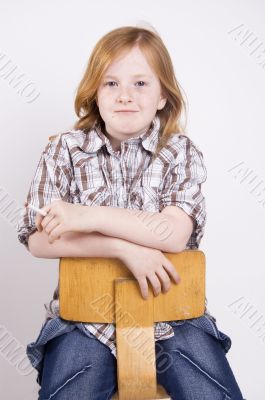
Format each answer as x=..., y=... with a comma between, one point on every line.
x=162, y=103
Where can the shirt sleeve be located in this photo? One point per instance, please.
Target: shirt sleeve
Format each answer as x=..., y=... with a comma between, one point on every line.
x=182, y=188
x=51, y=181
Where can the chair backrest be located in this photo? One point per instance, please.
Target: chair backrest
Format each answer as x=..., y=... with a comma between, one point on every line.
x=87, y=292
x=103, y=290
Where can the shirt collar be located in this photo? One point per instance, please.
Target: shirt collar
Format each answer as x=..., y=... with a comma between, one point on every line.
x=95, y=138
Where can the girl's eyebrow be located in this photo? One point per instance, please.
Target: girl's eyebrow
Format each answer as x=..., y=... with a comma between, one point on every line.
x=134, y=76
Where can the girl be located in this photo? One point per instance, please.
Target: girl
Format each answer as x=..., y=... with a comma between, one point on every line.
x=125, y=153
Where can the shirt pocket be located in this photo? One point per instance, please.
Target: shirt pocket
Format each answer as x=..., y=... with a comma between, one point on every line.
x=90, y=186
x=93, y=196
x=89, y=175
x=146, y=194
x=153, y=176
x=145, y=198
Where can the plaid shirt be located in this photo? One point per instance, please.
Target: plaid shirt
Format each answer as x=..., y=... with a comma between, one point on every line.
x=81, y=167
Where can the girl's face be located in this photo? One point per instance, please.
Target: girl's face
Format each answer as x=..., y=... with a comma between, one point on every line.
x=128, y=97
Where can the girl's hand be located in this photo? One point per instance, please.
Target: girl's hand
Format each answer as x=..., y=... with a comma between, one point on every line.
x=148, y=263
x=63, y=217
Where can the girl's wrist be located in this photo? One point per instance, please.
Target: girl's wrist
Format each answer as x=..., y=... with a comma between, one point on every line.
x=121, y=248
x=86, y=219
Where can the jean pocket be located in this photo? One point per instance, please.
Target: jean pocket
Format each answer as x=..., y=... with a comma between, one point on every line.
x=177, y=322
x=224, y=339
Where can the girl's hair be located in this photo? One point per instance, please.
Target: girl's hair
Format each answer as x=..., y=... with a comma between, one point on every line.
x=116, y=43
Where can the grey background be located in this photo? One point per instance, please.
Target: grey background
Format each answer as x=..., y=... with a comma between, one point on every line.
x=50, y=43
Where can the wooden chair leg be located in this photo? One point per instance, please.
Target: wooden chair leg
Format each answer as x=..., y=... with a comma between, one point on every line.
x=136, y=358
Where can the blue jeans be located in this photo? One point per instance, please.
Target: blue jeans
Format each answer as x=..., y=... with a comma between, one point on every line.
x=192, y=365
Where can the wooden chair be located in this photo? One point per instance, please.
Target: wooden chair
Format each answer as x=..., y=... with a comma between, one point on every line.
x=103, y=290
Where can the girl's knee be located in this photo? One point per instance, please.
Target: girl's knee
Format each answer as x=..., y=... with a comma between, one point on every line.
x=75, y=365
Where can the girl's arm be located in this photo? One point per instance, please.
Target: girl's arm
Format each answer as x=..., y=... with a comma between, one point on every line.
x=76, y=244
x=165, y=231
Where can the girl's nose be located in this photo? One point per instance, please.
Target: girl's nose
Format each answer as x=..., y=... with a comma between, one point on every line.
x=124, y=95
x=124, y=99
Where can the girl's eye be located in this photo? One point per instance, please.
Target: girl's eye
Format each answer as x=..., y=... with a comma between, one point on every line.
x=107, y=83
x=110, y=83
x=141, y=82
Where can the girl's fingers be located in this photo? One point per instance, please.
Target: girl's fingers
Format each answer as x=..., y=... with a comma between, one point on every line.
x=38, y=221
x=169, y=267
x=55, y=233
x=143, y=286
x=46, y=220
x=51, y=225
x=155, y=282
x=47, y=208
x=39, y=218
x=166, y=283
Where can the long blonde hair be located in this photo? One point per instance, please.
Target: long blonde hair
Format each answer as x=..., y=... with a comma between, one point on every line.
x=115, y=43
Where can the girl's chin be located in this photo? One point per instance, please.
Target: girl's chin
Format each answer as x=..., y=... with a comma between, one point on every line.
x=127, y=127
